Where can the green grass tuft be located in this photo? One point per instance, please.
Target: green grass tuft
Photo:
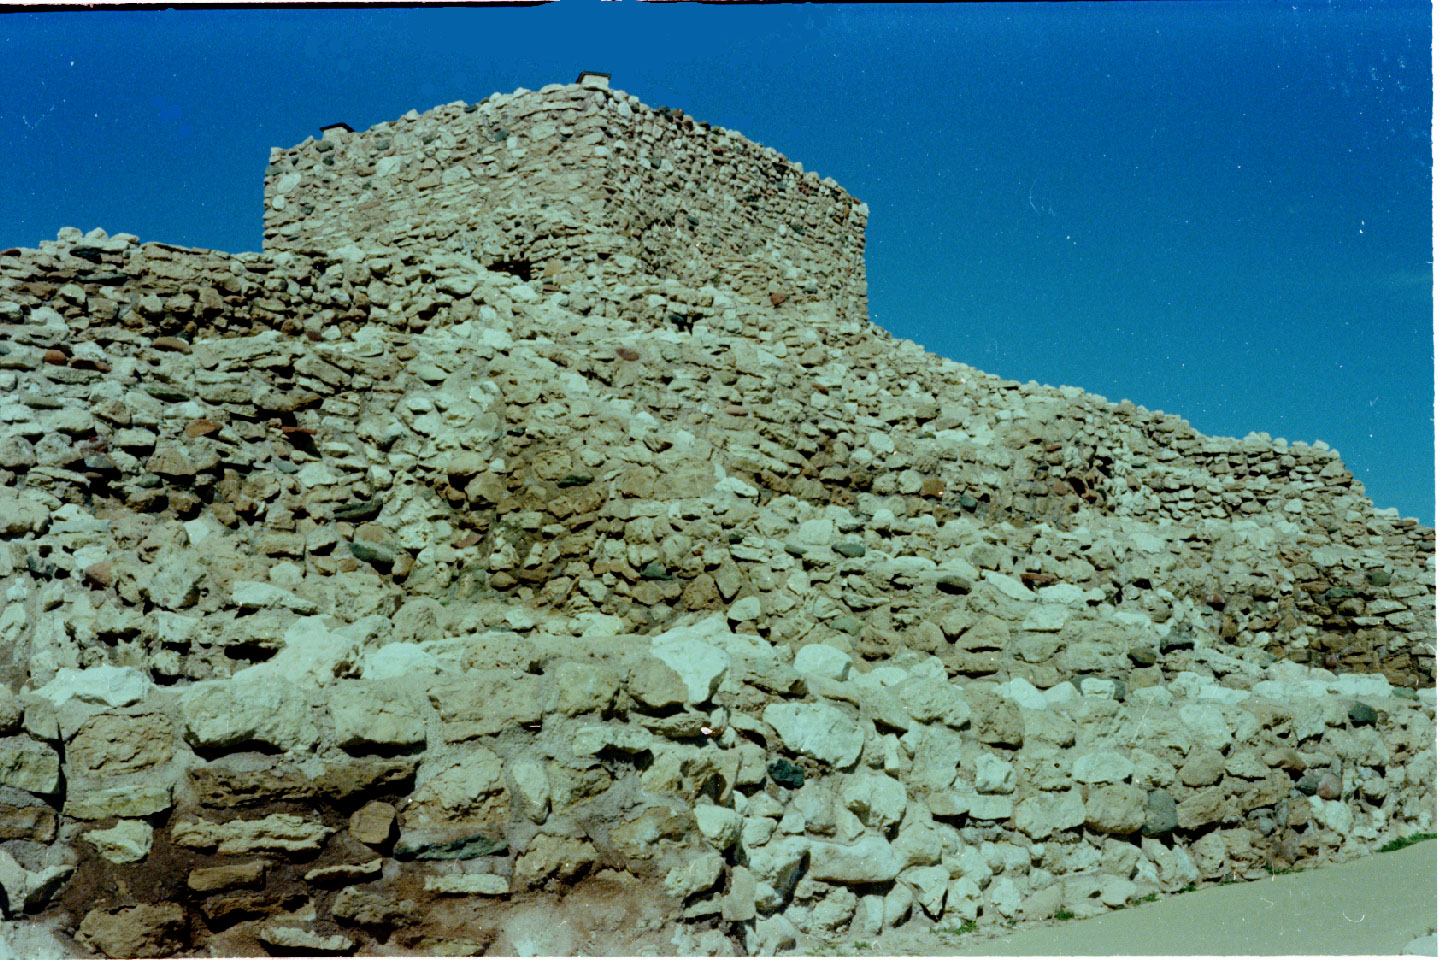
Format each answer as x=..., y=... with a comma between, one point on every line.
x=955, y=930
x=1063, y=914
x=1150, y=898
x=1400, y=843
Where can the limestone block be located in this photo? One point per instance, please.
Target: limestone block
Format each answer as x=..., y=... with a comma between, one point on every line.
x=556, y=858
x=695, y=876
x=869, y=860
x=822, y=660
x=173, y=581
x=532, y=787
x=929, y=884
x=962, y=900
x=294, y=939
x=1203, y=767
x=1115, y=808
x=370, y=714
x=473, y=884
x=113, y=745
x=933, y=699
x=147, y=930
x=1207, y=724
x=994, y=719
x=28, y=765
x=718, y=825
x=993, y=775
x=487, y=702
x=276, y=833
x=373, y=823
x=739, y=903
x=655, y=685
x=879, y=801
x=817, y=730
x=585, y=688
x=126, y=842
x=460, y=782
x=1205, y=806
x=108, y=685
x=237, y=713
x=141, y=800
x=250, y=595
x=691, y=651
x=1041, y=815
x=246, y=873
x=21, y=515
x=1105, y=766
x=1023, y=694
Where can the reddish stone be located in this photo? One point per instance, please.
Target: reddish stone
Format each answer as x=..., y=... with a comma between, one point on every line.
x=625, y=353
x=99, y=575
x=778, y=298
x=170, y=343
x=1329, y=788
x=56, y=357
x=87, y=363
x=201, y=428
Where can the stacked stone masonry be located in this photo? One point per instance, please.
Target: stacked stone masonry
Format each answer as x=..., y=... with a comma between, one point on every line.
x=586, y=187
x=356, y=596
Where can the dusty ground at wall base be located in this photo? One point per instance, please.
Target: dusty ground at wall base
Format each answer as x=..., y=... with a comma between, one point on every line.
x=1377, y=905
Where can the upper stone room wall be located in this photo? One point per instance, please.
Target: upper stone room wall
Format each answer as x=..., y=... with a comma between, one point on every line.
x=576, y=181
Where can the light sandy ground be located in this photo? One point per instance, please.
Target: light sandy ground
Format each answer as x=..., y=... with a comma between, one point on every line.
x=1373, y=906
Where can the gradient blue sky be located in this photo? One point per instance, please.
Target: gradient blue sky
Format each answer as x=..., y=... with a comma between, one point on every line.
x=1220, y=210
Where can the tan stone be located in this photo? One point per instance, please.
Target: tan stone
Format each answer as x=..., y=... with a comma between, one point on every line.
x=147, y=930
x=248, y=873
x=374, y=823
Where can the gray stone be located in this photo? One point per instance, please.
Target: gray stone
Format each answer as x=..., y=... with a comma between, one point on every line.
x=817, y=730
x=869, y=859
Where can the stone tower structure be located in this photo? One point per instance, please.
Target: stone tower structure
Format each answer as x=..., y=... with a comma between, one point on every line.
x=578, y=181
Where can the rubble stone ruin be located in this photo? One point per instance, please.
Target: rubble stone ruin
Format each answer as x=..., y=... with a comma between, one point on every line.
x=536, y=549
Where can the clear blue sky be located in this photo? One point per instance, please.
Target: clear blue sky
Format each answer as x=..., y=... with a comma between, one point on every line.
x=1220, y=210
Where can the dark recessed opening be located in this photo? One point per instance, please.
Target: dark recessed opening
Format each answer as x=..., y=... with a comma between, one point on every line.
x=516, y=268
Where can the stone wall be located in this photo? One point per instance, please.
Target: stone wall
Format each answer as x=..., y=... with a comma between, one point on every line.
x=578, y=182
x=362, y=597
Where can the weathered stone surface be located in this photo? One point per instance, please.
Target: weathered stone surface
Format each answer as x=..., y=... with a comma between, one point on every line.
x=292, y=938
x=125, y=842
x=111, y=686
x=869, y=860
x=376, y=714
x=817, y=730
x=372, y=531
x=1161, y=814
x=471, y=884
x=28, y=765
x=223, y=788
x=147, y=930
x=1041, y=815
x=276, y=833
x=234, y=714
x=1102, y=767
x=552, y=859
x=1115, y=808
x=695, y=656
x=247, y=873
x=374, y=823
x=878, y=800
x=111, y=746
